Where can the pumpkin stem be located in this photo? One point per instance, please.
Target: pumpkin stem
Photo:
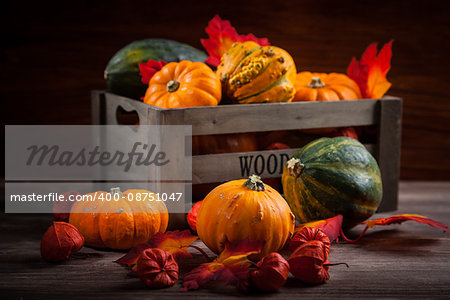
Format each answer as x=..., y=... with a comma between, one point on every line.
x=172, y=86
x=316, y=83
x=255, y=183
x=295, y=167
x=116, y=191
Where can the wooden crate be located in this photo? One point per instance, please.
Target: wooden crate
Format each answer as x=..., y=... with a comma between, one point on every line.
x=385, y=114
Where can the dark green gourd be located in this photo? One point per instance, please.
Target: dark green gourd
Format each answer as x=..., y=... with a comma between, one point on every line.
x=122, y=72
x=332, y=176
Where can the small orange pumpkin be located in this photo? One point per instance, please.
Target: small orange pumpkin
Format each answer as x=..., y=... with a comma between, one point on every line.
x=119, y=224
x=325, y=87
x=184, y=84
x=241, y=209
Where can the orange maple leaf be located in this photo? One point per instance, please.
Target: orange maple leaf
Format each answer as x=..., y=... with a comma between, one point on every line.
x=175, y=242
x=370, y=72
x=397, y=219
x=406, y=217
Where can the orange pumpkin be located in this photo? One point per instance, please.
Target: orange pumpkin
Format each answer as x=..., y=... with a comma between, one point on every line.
x=119, y=224
x=223, y=143
x=325, y=87
x=241, y=209
x=184, y=84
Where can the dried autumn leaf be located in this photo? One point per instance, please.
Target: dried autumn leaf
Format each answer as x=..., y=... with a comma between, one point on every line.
x=230, y=268
x=396, y=219
x=148, y=69
x=174, y=242
x=309, y=262
x=231, y=271
x=370, y=72
x=307, y=234
x=406, y=217
x=271, y=272
x=221, y=37
x=130, y=259
x=331, y=227
x=244, y=247
x=59, y=241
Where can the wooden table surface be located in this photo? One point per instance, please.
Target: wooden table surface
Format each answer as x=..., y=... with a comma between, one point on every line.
x=407, y=261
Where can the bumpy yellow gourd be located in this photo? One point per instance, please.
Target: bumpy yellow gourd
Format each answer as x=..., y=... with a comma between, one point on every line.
x=254, y=74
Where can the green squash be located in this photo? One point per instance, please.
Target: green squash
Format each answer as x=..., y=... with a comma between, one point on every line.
x=332, y=176
x=122, y=72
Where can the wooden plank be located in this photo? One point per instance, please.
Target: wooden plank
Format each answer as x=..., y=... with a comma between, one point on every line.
x=114, y=102
x=170, y=117
x=388, y=151
x=229, y=166
x=280, y=116
x=98, y=107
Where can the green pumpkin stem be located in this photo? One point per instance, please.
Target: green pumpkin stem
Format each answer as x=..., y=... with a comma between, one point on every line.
x=295, y=167
x=172, y=86
x=116, y=190
x=255, y=183
x=316, y=83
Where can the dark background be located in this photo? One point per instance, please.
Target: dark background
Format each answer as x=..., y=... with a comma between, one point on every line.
x=54, y=53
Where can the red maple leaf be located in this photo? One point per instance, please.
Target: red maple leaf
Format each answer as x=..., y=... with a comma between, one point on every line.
x=331, y=227
x=221, y=37
x=148, y=69
x=370, y=72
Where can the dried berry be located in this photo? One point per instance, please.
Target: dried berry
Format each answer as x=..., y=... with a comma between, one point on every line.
x=309, y=262
x=59, y=241
x=192, y=216
x=61, y=209
x=157, y=268
x=309, y=234
x=271, y=273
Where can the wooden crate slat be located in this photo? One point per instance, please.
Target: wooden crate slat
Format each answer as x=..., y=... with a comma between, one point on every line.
x=279, y=116
x=387, y=151
x=229, y=166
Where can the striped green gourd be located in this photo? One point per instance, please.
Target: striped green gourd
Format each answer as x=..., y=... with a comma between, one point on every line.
x=332, y=176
